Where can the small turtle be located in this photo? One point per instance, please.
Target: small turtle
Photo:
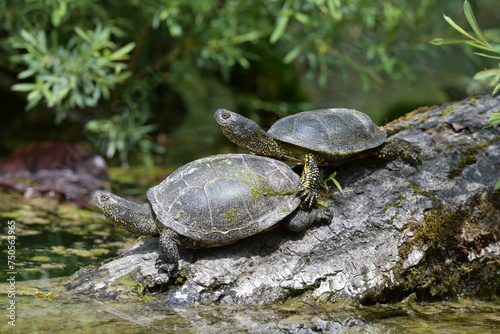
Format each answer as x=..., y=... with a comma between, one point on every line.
x=210, y=202
x=325, y=136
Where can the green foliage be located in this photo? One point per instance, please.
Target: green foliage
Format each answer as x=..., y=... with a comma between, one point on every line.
x=73, y=75
x=86, y=57
x=494, y=118
x=334, y=181
x=477, y=40
x=122, y=132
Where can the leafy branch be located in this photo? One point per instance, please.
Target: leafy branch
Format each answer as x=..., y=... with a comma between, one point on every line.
x=122, y=132
x=478, y=41
x=75, y=75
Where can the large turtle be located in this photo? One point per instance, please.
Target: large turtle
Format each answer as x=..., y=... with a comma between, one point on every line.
x=324, y=136
x=213, y=201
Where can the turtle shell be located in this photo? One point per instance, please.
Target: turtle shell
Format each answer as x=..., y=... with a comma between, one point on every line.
x=223, y=198
x=339, y=131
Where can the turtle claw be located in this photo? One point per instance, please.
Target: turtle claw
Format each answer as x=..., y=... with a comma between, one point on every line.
x=167, y=268
x=413, y=158
x=308, y=196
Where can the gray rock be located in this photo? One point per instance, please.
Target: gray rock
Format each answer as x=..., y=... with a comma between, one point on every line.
x=432, y=230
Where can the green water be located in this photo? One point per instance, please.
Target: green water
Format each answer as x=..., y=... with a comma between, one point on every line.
x=55, y=239
x=67, y=313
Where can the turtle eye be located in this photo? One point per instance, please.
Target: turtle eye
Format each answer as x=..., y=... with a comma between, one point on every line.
x=104, y=197
x=225, y=115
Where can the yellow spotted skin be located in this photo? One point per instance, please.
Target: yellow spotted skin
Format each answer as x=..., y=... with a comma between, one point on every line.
x=318, y=137
x=395, y=148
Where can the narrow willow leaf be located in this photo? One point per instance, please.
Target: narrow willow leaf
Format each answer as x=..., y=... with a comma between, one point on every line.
x=121, y=77
x=111, y=149
x=497, y=88
x=122, y=53
x=497, y=185
x=26, y=35
x=26, y=73
x=494, y=118
x=332, y=178
x=105, y=91
x=33, y=98
x=469, y=14
x=495, y=47
x=334, y=9
x=59, y=13
x=83, y=35
x=480, y=46
x=441, y=41
x=457, y=27
x=243, y=62
x=280, y=25
x=23, y=87
x=486, y=74
x=303, y=18
x=292, y=54
x=486, y=55
x=279, y=30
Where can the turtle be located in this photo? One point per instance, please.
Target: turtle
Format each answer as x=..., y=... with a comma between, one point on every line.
x=324, y=136
x=211, y=202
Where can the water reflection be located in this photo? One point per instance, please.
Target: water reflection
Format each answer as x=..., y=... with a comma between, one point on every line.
x=66, y=312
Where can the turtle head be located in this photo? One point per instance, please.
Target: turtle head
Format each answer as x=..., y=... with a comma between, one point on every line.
x=246, y=133
x=237, y=128
x=133, y=217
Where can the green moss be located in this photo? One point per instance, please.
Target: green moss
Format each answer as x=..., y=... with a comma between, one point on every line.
x=266, y=191
x=468, y=157
x=423, y=118
x=473, y=99
x=181, y=276
x=418, y=191
x=292, y=296
x=125, y=283
x=231, y=214
x=397, y=205
x=450, y=108
x=438, y=228
x=449, y=236
x=413, y=113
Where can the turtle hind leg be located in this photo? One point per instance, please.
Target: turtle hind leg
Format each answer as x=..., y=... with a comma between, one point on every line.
x=395, y=148
x=309, y=181
x=391, y=129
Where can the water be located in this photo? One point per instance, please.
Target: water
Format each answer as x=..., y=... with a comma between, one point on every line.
x=55, y=239
x=67, y=313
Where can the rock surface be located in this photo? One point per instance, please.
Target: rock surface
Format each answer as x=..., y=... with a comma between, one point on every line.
x=65, y=169
x=396, y=230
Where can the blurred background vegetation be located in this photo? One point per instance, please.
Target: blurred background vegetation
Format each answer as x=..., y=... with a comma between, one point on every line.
x=140, y=80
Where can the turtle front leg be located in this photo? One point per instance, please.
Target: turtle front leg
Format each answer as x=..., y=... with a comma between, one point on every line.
x=170, y=243
x=310, y=180
x=395, y=148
